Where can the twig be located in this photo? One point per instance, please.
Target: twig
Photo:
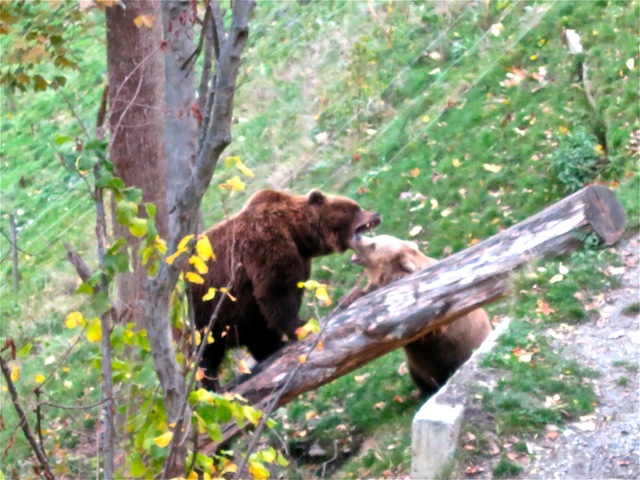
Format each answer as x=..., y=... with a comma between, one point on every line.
x=105, y=324
x=208, y=58
x=82, y=269
x=40, y=455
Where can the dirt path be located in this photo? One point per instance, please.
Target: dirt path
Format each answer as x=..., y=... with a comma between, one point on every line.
x=605, y=444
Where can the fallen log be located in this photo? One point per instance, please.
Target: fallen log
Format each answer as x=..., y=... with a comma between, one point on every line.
x=407, y=309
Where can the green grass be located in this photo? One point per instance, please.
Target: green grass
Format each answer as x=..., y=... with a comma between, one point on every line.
x=405, y=109
x=506, y=469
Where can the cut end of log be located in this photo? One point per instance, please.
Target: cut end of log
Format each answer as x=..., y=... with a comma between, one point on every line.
x=604, y=213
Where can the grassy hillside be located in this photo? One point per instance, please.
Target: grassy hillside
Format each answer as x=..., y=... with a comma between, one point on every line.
x=453, y=120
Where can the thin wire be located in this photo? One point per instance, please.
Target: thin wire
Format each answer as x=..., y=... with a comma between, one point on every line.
x=303, y=165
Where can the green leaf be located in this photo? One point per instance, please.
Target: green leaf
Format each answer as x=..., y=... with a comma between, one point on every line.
x=84, y=288
x=62, y=139
x=117, y=245
x=151, y=210
x=126, y=211
x=84, y=163
x=24, y=351
x=224, y=412
x=138, y=227
x=98, y=146
x=133, y=195
x=100, y=303
x=104, y=180
x=215, y=431
x=136, y=466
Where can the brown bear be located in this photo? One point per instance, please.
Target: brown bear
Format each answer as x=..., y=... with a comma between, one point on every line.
x=262, y=252
x=433, y=358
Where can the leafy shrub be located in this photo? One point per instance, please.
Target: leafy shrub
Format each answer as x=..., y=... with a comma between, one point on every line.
x=576, y=162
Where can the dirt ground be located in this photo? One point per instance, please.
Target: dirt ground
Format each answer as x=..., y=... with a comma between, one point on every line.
x=605, y=444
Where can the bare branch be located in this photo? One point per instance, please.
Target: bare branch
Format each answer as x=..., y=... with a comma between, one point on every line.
x=81, y=267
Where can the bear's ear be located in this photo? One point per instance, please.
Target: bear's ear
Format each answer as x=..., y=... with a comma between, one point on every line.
x=316, y=197
x=407, y=265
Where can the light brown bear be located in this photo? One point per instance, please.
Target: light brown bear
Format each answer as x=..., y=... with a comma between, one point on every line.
x=262, y=252
x=433, y=358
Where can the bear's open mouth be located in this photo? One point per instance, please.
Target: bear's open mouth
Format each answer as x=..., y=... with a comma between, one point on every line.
x=356, y=259
x=367, y=226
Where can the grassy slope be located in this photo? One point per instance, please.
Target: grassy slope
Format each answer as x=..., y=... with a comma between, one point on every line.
x=395, y=104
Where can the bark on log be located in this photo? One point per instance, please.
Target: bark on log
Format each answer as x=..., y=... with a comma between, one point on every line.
x=413, y=306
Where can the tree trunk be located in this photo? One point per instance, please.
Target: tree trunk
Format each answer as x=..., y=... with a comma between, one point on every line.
x=395, y=315
x=137, y=124
x=184, y=216
x=181, y=105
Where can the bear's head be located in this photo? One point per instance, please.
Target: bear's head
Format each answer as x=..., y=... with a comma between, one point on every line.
x=339, y=220
x=386, y=258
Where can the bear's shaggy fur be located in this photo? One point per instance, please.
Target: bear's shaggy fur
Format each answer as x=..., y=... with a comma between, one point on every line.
x=262, y=252
x=433, y=358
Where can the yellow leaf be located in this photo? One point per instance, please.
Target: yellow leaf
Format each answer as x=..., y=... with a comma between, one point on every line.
x=204, y=249
x=563, y=130
x=160, y=245
x=15, y=372
x=309, y=284
x=455, y=162
x=229, y=467
x=193, y=277
x=200, y=264
x=599, y=149
x=415, y=172
x=556, y=278
x=303, y=359
x=209, y=295
x=94, y=330
x=184, y=242
x=138, y=227
x=312, y=326
x=434, y=203
x=533, y=57
x=171, y=258
x=73, y=320
x=233, y=184
x=199, y=374
x=193, y=475
x=251, y=414
x=146, y=20
x=426, y=118
x=244, y=169
x=258, y=471
x=210, y=338
x=198, y=337
x=492, y=168
x=323, y=296
x=39, y=378
x=320, y=345
x=163, y=440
